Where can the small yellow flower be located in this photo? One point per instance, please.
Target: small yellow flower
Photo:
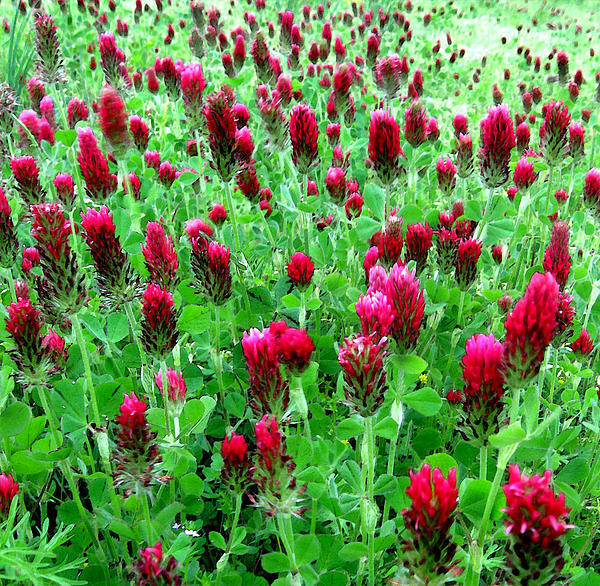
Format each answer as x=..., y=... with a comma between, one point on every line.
x=423, y=378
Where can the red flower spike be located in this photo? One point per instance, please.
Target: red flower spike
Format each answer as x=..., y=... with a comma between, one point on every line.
x=415, y=124
x=152, y=569
x=529, y=330
x=446, y=174
x=554, y=132
x=8, y=236
x=192, y=86
x=9, y=488
x=236, y=465
x=304, y=135
x=361, y=359
x=269, y=393
x=524, y=175
x=139, y=132
x=376, y=315
x=159, y=325
x=583, y=345
x=113, y=120
x=497, y=142
x=49, y=58
x=26, y=175
x=211, y=266
x=536, y=520
x=295, y=350
x=464, y=155
x=160, y=256
x=429, y=551
x=116, y=278
x=384, y=146
x=300, y=270
x=99, y=182
x=65, y=189
x=402, y=290
x=418, y=243
x=576, y=141
x=468, y=254
x=557, y=259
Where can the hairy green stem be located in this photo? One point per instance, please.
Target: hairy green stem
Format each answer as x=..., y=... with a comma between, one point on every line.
x=222, y=563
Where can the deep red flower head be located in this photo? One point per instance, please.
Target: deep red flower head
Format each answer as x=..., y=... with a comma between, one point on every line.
x=65, y=189
x=591, y=189
x=464, y=155
x=152, y=159
x=192, y=86
x=76, y=111
x=133, y=413
x=535, y=515
x=529, y=329
x=523, y=135
x=196, y=228
x=391, y=241
x=139, y=131
x=304, y=134
x=391, y=73
x=482, y=371
x=218, y=214
x=353, y=206
x=446, y=174
x=176, y=387
x=376, y=314
x=497, y=254
x=241, y=114
x=525, y=174
x=554, y=132
x=152, y=569
x=8, y=237
x=433, y=502
x=159, y=326
x=460, y=125
x=24, y=326
x=557, y=259
x=268, y=441
x=583, y=345
x=26, y=175
x=384, y=146
x=113, y=119
x=9, y=488
x=468, y=254
x=408, y=303
x=361, y=359
x=167, y=174
x=221, y=130
x=210, y=263
x=415, y=123
x=99, y=181
x=497, y=142
x=418, y=243
x=268, y=391
x=300, y=269
x=433, y=131
x=333, y=133
x=160, y=256
x=576, y=140
x=234, y=450
x=335, y=181
x=295, y=349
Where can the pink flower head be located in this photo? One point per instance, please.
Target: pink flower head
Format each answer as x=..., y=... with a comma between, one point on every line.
x=176, y=387
x=218, y=214
x=152, y=569
x=139, y=131
x=529, y=329
x=535, y=515
x=446, y=174
x=525, y=174
x=192, y=86
x=391, y=241
x=466, y=262
x=361, y=359
x=460, y=125
x=376, y=314
x=391, y=73
x=196, y=228
x=160, y=256
x=99, y=182
x=433, y=131
x=65, y=189
x=159, y=324
x=557, y=259
x=384, y=146
x=583, y=345
x=591, y=189
x=335, y=181
x=418, y=243
x=304, y=134
x=554, y=132
x=464, y=155
x=9, y=488
x=497, y=142
x=415, y=124
x=353, y=206
x=576, y=140
x=523, y=135
x=26, y=175
x=76, y=111
x=300, y=270
x=408, y=303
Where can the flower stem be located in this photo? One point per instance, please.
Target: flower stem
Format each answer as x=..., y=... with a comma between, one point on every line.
x=218, y=361
x=86, y=366
x=368, y=507
x=486, y=213
x=286, y=533
x=146, y=511
x=297, y=396
x=483, y=452
x=132, y=324
x=165, y=395
x=222, y=563
x=11, y=284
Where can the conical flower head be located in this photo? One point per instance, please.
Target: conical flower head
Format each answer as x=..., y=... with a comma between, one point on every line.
x=211, y=265
x=390, y=241
x=464, y=155
x=111, y=58
x=591, y=190
x=9, y=488
x=376, y=314
x=159, y=325
x=221, y=133
x=8, y=237
x=300, y=270
x=446, y=244
x=557, y=259
x=529, y=330
x=583, y=345
x=113, y=120
x=415, y=124
x=418, y=242
x=497, y=142
x=576, y=141
x=304, y=135
x=402, y=290
x=192, y=86
x=236, y=464
x=99, y=181
x=277, y=489
x=115, y=276
x=468, y=254
x=536, y=520
x=139, y=132
x=152, y=569
x=136, y=456
x=554, y=132
x=484, y=387
x=65, y=189
x=76, y=111
x=268, y=392
x=384, y=146
x=65, y=283
x=362, y=361
x=49, y=58
x=391, y=73
x=160, y=256
x=27, y=177
x=446, y=174
x=429, y=551
x=524, y=174
x=176, y=390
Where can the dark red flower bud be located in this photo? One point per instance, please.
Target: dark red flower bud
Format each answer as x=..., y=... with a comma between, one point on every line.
x=159, y=325
x=300, y=270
